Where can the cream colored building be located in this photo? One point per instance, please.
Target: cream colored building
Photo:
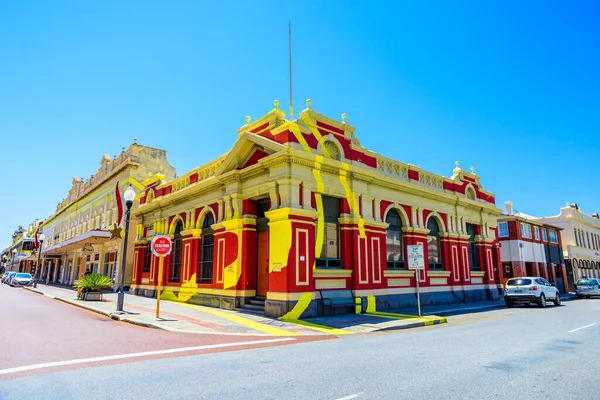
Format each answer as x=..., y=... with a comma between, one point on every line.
x=77, y=234
x=580, y=240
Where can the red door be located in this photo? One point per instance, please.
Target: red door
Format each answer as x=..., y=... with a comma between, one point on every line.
x=262, y=264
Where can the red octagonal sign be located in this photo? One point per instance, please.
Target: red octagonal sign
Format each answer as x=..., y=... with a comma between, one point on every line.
x=161, y=246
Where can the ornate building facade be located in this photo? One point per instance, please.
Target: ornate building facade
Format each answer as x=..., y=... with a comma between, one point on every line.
x=580, y=240
x=78, y=234
x=300, y=206
x=531, y=247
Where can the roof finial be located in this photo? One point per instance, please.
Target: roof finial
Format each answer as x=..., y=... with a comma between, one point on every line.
x=135, y=141
x=343, y=118
x=276, y=104
x=472, y=170
x=457, y=164
x=308, y=103
x=247, y=119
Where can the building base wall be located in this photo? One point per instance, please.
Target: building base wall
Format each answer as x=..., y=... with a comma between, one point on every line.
x=208, y=300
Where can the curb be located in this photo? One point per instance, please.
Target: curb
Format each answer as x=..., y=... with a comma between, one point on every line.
x=465, y=310
x=111, y=315
x=413, y=325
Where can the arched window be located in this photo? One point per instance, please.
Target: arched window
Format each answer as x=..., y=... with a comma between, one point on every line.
x=394, y=242
x=148, y=260
x=434, y=248
x=206, y=251
x=176, y=255
x=473, y=252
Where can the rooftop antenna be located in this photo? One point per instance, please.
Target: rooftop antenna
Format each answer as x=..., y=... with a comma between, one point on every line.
x=290, y=50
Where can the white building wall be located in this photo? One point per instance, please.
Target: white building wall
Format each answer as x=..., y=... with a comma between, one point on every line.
x=529, y=252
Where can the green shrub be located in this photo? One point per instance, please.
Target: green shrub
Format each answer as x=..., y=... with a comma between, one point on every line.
x=93, y=282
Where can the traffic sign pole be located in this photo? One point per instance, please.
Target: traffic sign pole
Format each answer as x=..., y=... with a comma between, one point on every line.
x=160, y=273
x=417, y=274
x=161, y=247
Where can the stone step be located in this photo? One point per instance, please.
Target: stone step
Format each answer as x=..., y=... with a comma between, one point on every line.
x=254, y=307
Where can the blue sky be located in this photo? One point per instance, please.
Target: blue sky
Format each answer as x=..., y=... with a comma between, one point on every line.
x=510, y=87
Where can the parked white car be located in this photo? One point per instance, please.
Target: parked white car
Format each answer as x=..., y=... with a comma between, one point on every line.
x=20, y=279
x=528, y=290
x=588, y=287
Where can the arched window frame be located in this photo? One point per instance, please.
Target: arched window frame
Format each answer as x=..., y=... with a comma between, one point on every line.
x=206, y=251
x=474, y=261
x=394, y=251
x=177, y=253
x=434, y=245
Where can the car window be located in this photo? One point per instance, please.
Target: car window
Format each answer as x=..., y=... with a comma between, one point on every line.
x=23, y=276
x=518, y=282
x=540, y=282
x=585, y=282
x=546, y=282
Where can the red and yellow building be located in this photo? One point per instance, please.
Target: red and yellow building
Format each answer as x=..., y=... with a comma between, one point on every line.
x=300, y=206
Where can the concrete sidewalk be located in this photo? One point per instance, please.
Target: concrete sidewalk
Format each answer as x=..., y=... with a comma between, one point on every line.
x=184, y=317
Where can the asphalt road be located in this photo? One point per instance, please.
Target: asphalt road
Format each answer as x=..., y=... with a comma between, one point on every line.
x=522, y=353
x=36, y=330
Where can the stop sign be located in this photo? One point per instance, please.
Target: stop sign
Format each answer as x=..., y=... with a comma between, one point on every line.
x=161, y=246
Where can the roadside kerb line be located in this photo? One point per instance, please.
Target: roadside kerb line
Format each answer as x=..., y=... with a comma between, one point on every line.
x=582, y=327
x=135, y=355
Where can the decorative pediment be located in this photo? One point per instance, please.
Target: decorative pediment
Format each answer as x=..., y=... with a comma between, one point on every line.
x=246, y=151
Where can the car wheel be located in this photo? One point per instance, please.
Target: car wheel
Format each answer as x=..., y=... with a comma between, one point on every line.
x=542, y=301
x=557, y=300
x=509, y=303
x=587, y=297
x=579, y=296
x=527, y=305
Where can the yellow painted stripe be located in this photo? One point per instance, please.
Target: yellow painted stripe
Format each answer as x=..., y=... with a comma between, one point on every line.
x=311, y=125
x=299, y=307
x=271, y=330
x=295, y=129
x=319, y=328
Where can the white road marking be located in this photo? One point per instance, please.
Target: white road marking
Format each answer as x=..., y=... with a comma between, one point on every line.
x=134, y=355
x=352, y=396
x=582, y=327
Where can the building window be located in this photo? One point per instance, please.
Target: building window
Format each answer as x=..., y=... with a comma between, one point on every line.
x=148, y=260
x=473, y=251
x=330, y=252
x=503, y=229
x=175, y=275
x=553, y=237
x=394, y=242
x=536, y=232
x=525, y=230
x=206, y=251
x=544, y=235
x=576, y=237
x=589, y=244
x=434, y=248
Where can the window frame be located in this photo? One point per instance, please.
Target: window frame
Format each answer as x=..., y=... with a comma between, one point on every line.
x=544, y=235
x=472, y=250
x=331, y=213
x=434, y=238
x=176, y=254
x=398, y=264
x=550, y=233
x=203, y=245
x=526, y=228
x=536, y=232
x=500, y=235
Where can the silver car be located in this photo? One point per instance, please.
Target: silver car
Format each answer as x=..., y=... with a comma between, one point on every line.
x=588, y=288
x=4, y=277
x=20, y=279
x=528, y=290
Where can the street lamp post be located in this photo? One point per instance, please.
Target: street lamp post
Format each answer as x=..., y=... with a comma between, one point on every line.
x=41, y=238
x=129, y=196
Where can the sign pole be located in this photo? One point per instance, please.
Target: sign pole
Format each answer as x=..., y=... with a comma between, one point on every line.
x=418, y=277
x=160, y=273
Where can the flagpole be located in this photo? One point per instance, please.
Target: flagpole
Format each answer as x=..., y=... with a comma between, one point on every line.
x=290, y=51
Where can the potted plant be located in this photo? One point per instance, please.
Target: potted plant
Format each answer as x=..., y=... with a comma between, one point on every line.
x=89, y=286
